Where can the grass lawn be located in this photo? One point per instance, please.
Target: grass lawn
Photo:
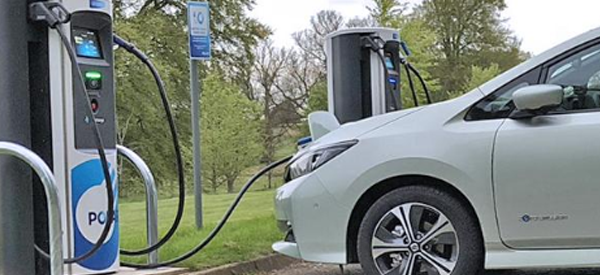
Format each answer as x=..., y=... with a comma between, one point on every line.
x=249, y=234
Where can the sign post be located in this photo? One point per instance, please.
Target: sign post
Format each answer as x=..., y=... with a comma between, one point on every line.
x=200, y=50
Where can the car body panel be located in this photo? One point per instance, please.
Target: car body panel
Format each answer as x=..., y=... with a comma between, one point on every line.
x=529, y=259
x=352, y=130
x=547, y=174
x=313, y=215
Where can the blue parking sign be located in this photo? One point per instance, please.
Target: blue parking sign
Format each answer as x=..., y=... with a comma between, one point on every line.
x=199, y=29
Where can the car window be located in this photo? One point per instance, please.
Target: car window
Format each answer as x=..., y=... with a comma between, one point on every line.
x=579, y=75
x=499, y=104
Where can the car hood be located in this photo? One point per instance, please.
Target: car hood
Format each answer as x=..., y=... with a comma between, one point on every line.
x=354, y=130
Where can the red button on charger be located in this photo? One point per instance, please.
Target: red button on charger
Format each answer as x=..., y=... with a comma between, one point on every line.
x=95, y=105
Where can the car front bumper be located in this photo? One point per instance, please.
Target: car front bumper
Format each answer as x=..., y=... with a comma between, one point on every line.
x=314, y=223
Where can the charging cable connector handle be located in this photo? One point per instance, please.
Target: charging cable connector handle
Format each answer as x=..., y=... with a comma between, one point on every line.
x=53, y=13
x=405, y=48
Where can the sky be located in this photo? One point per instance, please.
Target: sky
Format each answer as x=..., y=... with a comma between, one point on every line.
x=540, y=24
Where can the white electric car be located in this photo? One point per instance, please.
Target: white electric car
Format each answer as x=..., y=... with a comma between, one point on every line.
x=504, y=177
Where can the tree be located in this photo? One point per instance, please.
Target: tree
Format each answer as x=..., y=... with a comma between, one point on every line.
x=301, y=76
x=358, y=22
x=234, y=33
x=480, y=76
x=318, y=98
x=159, y=28
x=285, y=78
x=141, y=119
x=231, y=132
x=270, y=65
x=312, y=40
x=421, y=41
x=387, y=12
x=317, y=101
x=465, y=30
x=308, y=66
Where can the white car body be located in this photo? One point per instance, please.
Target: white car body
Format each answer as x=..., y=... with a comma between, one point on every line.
x=534, y=185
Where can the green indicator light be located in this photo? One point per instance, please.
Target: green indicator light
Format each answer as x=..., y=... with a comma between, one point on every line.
x=93, y=75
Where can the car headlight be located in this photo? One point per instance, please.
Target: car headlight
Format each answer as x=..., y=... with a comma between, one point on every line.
x=311, y=160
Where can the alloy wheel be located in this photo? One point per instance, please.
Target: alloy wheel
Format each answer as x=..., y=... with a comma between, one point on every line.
x=415, y=239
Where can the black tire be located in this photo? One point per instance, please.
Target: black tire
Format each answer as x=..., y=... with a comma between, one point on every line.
x=471, y=252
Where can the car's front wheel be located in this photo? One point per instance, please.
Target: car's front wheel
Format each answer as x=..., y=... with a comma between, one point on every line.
x=420, y=230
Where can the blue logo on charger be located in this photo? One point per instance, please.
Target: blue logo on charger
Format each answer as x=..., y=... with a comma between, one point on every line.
x=99, y=218
x=89, y=215
x=97, y=4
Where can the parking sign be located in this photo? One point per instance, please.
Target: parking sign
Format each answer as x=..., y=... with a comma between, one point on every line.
x=199, y=29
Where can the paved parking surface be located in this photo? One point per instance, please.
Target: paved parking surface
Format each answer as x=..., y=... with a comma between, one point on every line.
x=308, y=269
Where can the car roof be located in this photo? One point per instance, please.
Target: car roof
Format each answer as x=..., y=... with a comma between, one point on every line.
x=538, y=60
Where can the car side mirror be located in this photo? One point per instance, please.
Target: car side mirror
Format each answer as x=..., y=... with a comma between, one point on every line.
x=537, y=99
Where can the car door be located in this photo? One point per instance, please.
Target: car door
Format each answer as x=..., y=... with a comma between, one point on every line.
x=546, y=169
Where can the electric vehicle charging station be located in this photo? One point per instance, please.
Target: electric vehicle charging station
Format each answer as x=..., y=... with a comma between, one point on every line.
x=64, y=112
x=76, y=164
x=359, y=63
x=59, y=130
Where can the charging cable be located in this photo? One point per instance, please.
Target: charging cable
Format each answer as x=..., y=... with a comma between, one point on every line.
x=213, y=234
x=411, y=84
x=410, y=68
x=129, y=47
x=55, y=15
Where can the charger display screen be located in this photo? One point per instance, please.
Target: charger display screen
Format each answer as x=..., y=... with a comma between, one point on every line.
x=389, y=63
x=87, y=43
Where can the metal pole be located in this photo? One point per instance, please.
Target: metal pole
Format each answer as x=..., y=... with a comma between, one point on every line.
x=196, y=90
x=16, y=192
x=151, y=198
x=54, y=213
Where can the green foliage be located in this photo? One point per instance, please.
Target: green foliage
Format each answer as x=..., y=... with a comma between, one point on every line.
x=480, y=76
x=421, y=41
x=159, y=28
x=387, y=12
x=468, y=32
x=234, y=33
x=317, y=100
x=231, y=132
x=141, y=119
